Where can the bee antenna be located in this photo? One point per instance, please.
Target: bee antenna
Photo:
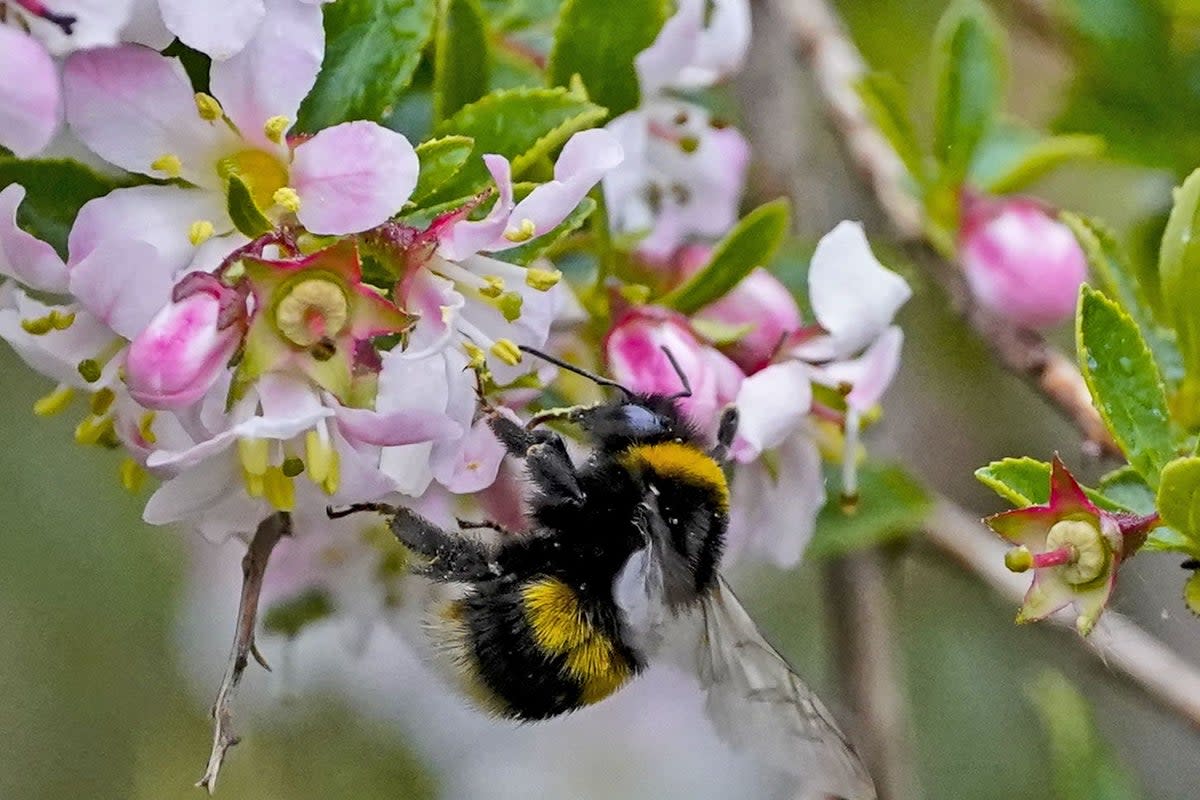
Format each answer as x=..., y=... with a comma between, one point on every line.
x=599, y=380
x=683, y=378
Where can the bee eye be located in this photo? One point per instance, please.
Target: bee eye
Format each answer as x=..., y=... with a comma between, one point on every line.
x=641, y=419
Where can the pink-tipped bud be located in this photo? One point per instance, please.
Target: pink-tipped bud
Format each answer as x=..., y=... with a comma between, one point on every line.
x=181, y=353
x=1021, y=262
x=634, y=350
x=758, y=313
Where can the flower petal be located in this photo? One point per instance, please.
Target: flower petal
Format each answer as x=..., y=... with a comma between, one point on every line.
x=274, y=71
x=30, y=97
x=474, y=464
x=853, y=296
x=1091, y=602
x=1066, y=495
x=22, y=255
x=1024, y=526
x=465, y=237
x=660, y=65
x=124, y=284
x=133, y=106
x=772, y=404
x=721, y=47
x=1048, y=593
x=55, y=354
x=406, y=426
x=585, y=159
x=219, y=29
x=869, y=375
x=97, y=24
x=774, y=516
x=352, y=177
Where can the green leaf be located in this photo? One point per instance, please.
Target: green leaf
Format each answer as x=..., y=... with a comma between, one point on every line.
x=290, y=617
x=1084, y=768
x=55, y=190
x=243, y=211
x=1012, y=158
x=752, y=243
x=460, y=73
x=1191, y=593
x=598, y=41
x=526, y=253
x=1165, y=539
x=1026, y=482
x=1124, y=382
x=372, y=48
x=1111, y=266
x=888, y=106
x=890, y=505
x=1124, y=487
x=441, y=159
x=1179, y=272
x=970, y=68
x=522, y=125
x=1179, y=496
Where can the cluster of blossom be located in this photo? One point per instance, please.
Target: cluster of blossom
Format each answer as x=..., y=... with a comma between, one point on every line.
x=256, y=374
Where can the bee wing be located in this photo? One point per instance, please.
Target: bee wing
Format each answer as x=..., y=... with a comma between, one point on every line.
x=759, y=705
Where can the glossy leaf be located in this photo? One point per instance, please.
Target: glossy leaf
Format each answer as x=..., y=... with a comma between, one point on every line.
x=1013, y=158
x=372, y=48
x=1179, y=496
x=55, y=190
x=460, y=73
x=888, y=106
x=1026, y=482
x=440, y=159
x=752, y=243
x=1124, y=382
x=970, y=68
x=598, y=41
x=890, y=505
x=523, y=125
x=1179, y=272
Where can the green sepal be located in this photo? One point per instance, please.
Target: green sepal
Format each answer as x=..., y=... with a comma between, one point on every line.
x=752, y=243
x=598, y=42
x=441, y=159
x=1124, y=383
x=247, y=217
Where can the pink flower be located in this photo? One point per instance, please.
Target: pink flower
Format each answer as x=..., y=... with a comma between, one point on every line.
x=1073, y=548
x=1020, y=262
x=698, y=46
x=223, y=28
x=760, y=307
x=182, y=351
x=634, y=350
x=682, y=176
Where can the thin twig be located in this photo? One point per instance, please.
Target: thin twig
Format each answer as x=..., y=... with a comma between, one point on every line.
x=860, y=612
x=1117, y=641
x=837, y=67
x=254, y=566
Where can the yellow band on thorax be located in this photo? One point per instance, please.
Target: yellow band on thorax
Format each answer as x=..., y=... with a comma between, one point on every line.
x=681, y=462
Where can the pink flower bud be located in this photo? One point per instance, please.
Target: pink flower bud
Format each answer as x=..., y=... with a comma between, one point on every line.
x=634, y=350
x=180, y=354
x=760, y=305
x=1020, y=261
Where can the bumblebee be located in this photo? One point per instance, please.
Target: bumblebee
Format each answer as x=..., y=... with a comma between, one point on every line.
x=623, y=551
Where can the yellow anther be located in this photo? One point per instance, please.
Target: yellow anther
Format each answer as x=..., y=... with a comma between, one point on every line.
x=292, y=466
x=168, y=164
x=542, y=279
x=333, y=480
x=509, y=304
x=255, y=485
x=54, y=402
x=133, y=477
x=287, y=197
x=91, y=429
x=506, y=350
x=318, y=456
x=279, y=489
x=312, y=310
x=60, y=320
x=102, y=400
x=689, y=144
x=200, y=232
x=89, y=369
x=276, y=127
x=208, y=107
x=522, y=233
x=254, y=454
x=146, y=428
x=476, y=354
x=494, y=286
x=39, y=326
x=447, y=314
x=635, y=293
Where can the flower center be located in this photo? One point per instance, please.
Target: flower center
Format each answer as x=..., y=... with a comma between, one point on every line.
x=262, y=172
x=1088, y=552
x=313, y=309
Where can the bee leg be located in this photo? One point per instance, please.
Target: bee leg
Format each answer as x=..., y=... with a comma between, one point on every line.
x=355, y=508
x=567, y=414
x=725, y=434
x=449, y=557
x=545, y=455
x=487, y=524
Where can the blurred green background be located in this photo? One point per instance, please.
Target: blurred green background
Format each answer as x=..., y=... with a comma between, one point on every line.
x=97, y=701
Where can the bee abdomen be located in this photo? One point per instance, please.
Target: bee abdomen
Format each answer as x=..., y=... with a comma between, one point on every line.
x=538, y=652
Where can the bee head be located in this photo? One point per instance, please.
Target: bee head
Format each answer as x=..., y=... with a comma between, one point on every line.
x=636, y=419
